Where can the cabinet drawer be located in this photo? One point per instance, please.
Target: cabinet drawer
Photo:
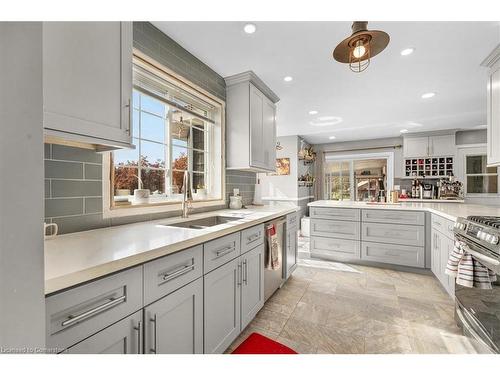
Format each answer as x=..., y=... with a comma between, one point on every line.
x=251, y=238
x=335, y=248
x=350, y=214
x=394, y=254
x=394, y=233
x=443, y=225
x=348, y=230
x=163, y=276
x=220, y=251
x=292, y=221
x=75, y=314
x=393, y=216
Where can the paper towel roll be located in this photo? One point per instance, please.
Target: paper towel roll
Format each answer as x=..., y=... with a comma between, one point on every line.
x=257, y=197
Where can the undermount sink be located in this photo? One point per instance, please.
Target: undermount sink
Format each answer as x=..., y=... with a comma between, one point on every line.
x=204, y=222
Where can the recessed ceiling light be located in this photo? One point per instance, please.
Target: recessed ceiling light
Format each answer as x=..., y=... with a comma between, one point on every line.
x=407, y=51
x=428, y=95
x=403, y=131
x=250, y=28
x=326, y=121
x=288, y=79
x=332, y=137
x=313, y=112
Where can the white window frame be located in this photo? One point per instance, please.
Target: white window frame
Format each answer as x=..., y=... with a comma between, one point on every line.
x=470, y=150
x=389, y=156
x=218, y=171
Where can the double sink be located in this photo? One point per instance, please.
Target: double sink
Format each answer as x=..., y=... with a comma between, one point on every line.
x=205, y=222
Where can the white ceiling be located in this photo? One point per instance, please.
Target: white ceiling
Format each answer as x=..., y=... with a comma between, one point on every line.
x=376, y=103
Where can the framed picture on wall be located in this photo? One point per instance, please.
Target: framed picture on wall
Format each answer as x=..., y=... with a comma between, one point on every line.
x=282, y=167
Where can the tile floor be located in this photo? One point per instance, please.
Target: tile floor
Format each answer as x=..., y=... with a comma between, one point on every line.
x=328, y=307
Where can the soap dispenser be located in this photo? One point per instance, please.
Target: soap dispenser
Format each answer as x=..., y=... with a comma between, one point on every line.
x=235, y=200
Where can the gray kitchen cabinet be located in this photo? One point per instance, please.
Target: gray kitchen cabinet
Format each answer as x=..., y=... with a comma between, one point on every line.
x=252, y=284
x=164, y=275
x=397, y=234
x=222, y=307
x=335, y=248
x=174, y=324
x=492, y=62
x=87, y=82
x=348, y=230
x=412, y=256
x=79, y=312
x=393, y=216
x=442, y=244
x=333, y=213
x=291, y=250
x=221, y=250
x=251, y=123
x=123, y=337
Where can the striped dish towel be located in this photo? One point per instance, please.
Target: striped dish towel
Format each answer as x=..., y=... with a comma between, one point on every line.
x=467, y=270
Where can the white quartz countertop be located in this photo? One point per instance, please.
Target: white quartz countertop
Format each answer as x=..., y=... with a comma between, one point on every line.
x=71, y=259
x=447, y=210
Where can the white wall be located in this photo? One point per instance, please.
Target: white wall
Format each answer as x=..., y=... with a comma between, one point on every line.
x=22, y=303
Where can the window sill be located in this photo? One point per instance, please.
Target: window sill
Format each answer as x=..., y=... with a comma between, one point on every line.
x=142, y=209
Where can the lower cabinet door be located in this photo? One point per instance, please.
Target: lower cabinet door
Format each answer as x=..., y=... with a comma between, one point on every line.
x=252, y=286
x=403, y=255
x=446, y=249
x=435, y=254
x=174, y=324
x=123, y=337
x=291, y=251
x=222, y=306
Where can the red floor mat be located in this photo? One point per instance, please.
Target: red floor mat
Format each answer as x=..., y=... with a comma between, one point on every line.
x=258, y=344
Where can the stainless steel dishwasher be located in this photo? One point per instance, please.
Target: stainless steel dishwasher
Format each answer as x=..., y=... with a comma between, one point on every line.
x=274, y=276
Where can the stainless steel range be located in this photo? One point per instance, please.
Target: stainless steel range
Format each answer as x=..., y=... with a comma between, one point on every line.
x=478, y=310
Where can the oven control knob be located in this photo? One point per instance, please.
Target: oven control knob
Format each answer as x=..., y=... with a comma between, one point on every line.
x=481, y=235
x=493, y=240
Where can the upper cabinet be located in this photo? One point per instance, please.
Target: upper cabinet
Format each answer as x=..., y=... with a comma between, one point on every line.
x=492, y=62
x=437, y=145
x=87, y=82
x=251, y=124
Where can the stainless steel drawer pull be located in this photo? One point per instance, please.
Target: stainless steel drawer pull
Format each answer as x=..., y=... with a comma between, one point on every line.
x=253, y=237
x=181, y=271
x=96, y=310
x=245, y=278
x=139, y=331
x=155, y=343
x=239, y=276
x=224, y=251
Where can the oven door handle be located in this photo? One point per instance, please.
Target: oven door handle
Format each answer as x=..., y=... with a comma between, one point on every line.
x=478, y=255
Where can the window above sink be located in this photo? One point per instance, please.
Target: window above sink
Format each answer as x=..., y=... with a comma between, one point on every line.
x=176, y=127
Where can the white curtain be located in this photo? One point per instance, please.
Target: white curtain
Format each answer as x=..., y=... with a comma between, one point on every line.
x=319, y=175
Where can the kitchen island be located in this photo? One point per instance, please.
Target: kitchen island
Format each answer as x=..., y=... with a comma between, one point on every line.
x=410, y=235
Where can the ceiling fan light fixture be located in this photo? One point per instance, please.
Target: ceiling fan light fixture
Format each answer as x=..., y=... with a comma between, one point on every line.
x=361, y=46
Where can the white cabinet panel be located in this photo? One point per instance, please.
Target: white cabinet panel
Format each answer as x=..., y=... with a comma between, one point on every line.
x=494, y=117
x=257, y=150
x=349, y=230
x=415, y=147
x=251, y=124
x=269, y=134
x=442, y=145
x=436, y=145
x=87, y=80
